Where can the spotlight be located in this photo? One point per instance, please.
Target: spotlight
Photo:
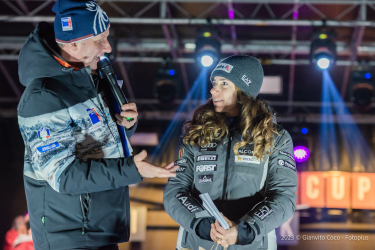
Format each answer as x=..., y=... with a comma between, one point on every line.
x=301, y=153
x=207, y=60
x=323, y=48
x=304, y=131
x=207, y=49
x=323, y=63
x=166, y=83
x=362, y=88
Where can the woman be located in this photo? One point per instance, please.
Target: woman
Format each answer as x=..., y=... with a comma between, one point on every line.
x=233, y=150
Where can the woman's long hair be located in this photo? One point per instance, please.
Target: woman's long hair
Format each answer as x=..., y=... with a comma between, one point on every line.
x=256, y=124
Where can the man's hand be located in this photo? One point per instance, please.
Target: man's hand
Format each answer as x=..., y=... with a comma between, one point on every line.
x=130, y=113
x=148, y=170
x=227, y=236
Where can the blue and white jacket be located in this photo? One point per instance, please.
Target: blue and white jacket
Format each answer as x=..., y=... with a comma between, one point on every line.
x=76, y=174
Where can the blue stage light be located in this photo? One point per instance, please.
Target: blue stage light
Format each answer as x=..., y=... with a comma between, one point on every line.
x=197, y=92
x=171, y=72
x=323, y=63
x=357, y=150
x=207, y=60
x=304, y=131
x=367, y=75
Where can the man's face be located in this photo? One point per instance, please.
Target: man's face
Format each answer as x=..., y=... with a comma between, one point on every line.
x=89, y=51
x=224, y=96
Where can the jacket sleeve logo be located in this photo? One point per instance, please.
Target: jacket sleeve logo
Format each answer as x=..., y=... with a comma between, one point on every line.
x=286, y=164
x=209, y=147
x=206, y=178
x=263, y=212
x=205, y=168
x=187, y=202
x=207, y=158
x=286, y=154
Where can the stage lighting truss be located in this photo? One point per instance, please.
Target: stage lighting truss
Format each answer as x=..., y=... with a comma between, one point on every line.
x=362, y=89
x=323, y=48
x=166, y=84
x=207, y=49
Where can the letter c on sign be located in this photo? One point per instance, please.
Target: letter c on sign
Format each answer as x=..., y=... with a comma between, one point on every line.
x=312, y=192
x=364, y=185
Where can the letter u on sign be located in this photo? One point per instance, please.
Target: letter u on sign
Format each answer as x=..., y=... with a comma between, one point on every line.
x=338, y=189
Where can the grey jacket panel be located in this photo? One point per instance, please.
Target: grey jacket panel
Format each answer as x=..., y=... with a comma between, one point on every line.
x=177, y=195
x=265, y=188
x=280, y=190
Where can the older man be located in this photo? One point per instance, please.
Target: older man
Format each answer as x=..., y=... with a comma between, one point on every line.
x=78, y=162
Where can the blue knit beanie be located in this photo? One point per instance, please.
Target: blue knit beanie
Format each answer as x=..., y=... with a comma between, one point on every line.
x=78, y=20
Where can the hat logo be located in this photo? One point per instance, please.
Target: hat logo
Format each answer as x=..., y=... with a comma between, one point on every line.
x=100, y=15
x=224, y=67
x=66, y=23
x=246, y=80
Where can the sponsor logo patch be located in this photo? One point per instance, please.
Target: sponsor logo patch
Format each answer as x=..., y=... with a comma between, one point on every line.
x=208, y=147
x=95, y=118
x=43, y=133
x=180, y=169
x=286, y=154
x=66, y=23
x=224, y=67
x=187, y=202
x=205, y=168
x=286, y=164
x=206, y=178
x=245, y=151
x=246, y=80
x=180, y=161
x=263, y=212
x=207, y=158
x=48, y=147
x=246, y=159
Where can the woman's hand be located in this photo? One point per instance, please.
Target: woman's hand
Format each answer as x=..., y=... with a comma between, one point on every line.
x=226, y=237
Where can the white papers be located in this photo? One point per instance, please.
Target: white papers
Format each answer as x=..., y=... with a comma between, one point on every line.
x=212, y=209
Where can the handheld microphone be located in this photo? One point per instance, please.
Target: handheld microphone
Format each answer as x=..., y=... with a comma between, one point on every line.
x=106, y=69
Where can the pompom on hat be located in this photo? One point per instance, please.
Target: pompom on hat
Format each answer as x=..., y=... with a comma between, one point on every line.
x=244, y=71
x=78, y=20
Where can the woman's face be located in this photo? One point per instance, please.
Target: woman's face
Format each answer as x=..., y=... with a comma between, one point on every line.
x=224, y=96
